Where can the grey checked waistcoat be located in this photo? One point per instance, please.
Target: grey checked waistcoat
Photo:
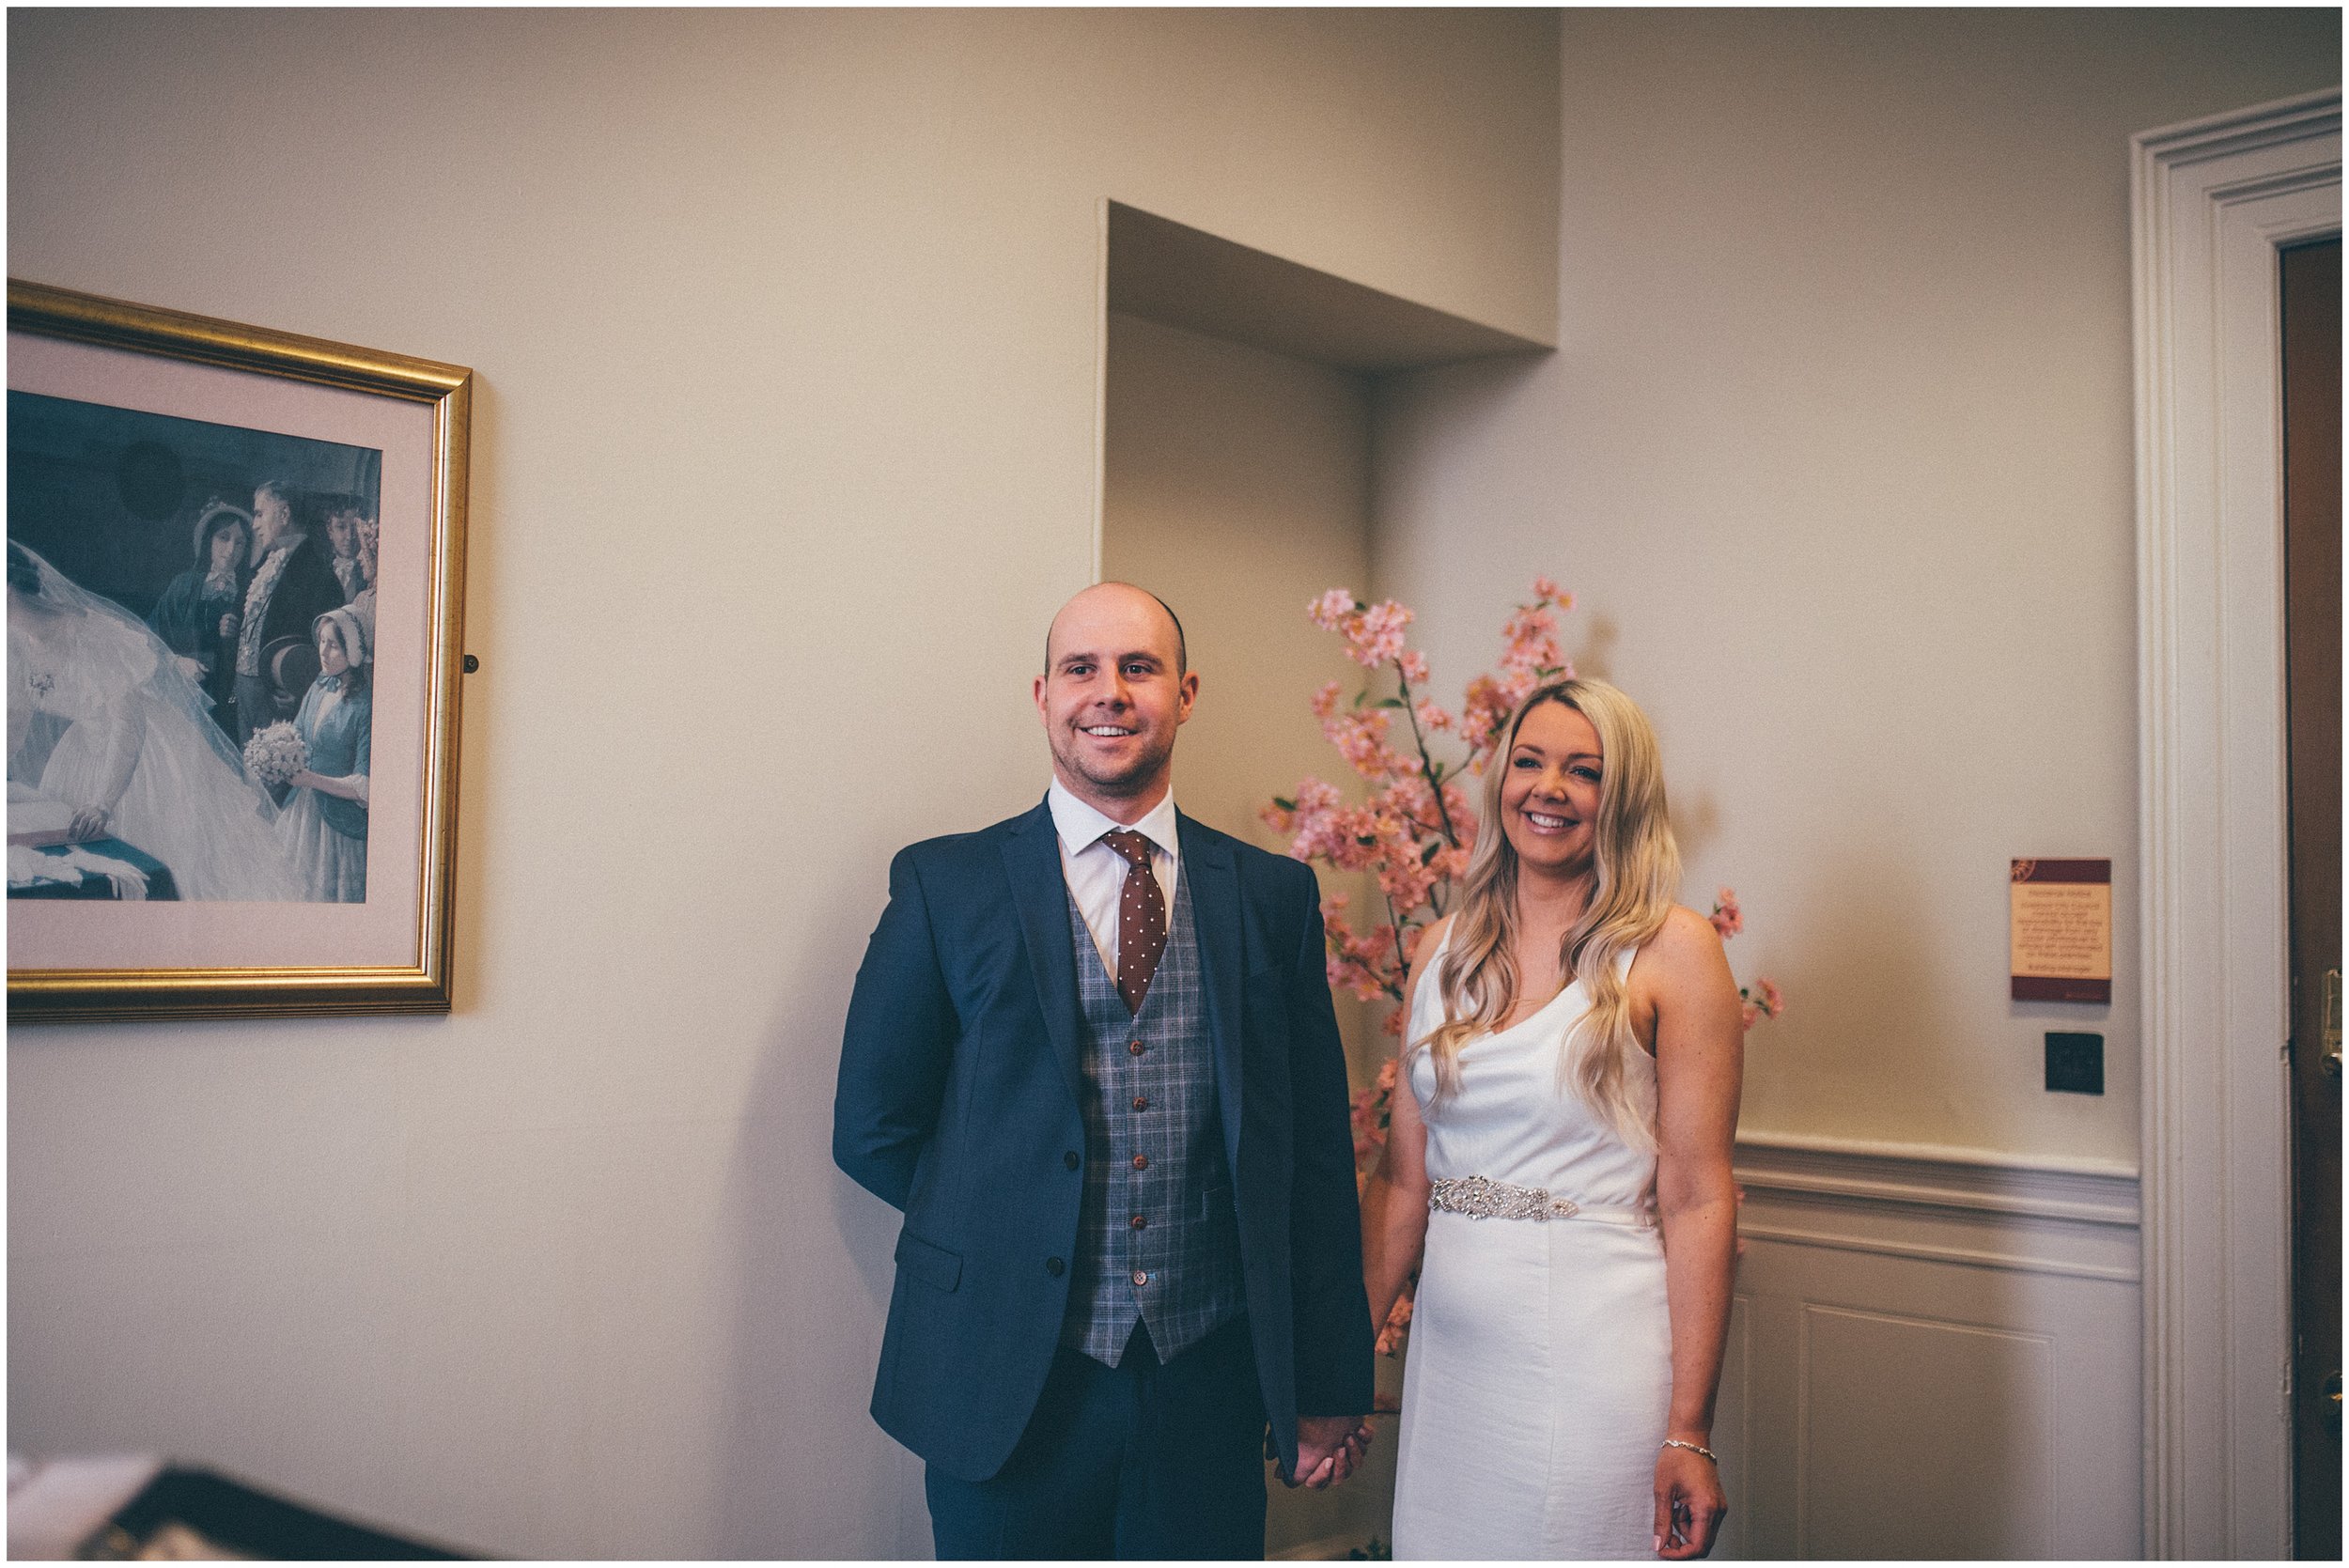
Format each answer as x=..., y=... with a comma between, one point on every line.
x=1157, y=1239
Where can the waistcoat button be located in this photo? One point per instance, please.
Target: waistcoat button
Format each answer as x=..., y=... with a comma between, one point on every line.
x=1142, y=1162
x=1135, y=1048
x=1070, y=1159
x=1139, y=1278
x=1137, y=1222
x=1054, y=1268
x=1142, y=1102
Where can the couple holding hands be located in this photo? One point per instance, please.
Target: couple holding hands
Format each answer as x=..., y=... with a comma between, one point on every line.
x=1091, y=1055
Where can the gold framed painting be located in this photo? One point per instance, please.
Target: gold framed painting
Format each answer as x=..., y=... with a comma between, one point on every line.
x=236, y=582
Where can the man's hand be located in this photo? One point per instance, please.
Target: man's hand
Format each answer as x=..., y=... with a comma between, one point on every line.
x=1328, y=1449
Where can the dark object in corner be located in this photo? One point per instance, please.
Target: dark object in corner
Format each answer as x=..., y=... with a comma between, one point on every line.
x=2076, y=1064
x=243, y=1522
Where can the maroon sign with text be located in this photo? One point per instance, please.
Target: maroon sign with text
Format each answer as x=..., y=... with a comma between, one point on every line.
x=2060, y=930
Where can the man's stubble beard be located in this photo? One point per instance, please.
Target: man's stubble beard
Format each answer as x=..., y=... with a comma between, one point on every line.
x=1124, y=785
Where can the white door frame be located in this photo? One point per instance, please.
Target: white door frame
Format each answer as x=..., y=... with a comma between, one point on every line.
x=2211, y=202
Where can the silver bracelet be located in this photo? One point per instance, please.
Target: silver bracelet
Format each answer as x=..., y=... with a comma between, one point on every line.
x=1692, y=1448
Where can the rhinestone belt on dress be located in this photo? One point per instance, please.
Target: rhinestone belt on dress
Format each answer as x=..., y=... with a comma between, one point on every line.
x=1482, y=1197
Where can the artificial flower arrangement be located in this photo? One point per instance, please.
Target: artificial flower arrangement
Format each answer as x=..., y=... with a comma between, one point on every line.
x=1417, y=825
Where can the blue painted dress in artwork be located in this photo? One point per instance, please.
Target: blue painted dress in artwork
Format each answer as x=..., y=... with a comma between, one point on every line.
x=326, y=836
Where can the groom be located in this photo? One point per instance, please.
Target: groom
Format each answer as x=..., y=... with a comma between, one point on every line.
x=1091, y=1055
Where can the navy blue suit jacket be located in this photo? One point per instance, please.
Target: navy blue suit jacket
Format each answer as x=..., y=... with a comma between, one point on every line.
x=957, y=1103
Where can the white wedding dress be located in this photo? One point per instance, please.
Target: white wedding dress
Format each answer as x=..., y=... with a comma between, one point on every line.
x=137, y=741
x=1539, y=1371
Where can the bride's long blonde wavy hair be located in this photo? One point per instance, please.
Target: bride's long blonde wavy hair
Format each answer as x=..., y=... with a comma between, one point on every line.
x=1637, y=877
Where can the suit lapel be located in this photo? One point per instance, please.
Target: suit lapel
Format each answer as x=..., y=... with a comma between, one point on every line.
x=1032, y=860
x=1214, y=921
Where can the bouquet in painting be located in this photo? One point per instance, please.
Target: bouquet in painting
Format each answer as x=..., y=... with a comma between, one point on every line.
x=1416, y=824
x=276, y=753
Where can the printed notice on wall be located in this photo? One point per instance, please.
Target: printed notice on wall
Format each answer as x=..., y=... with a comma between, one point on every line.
x=2059, y=923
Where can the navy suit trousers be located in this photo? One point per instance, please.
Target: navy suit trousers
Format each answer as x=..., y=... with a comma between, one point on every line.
x=1140, y=1460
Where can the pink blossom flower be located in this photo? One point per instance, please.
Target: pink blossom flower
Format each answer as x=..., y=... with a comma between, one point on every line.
x=1749, y=1013
x=1414, y=666
x=1727, y=918
x=1332, y=610
x=1378, y=634
x=1432, y=715
x=1316, y=797
x=1530, y=645
x=1326, y=700
x=1544, y=590
x=1761, y=1000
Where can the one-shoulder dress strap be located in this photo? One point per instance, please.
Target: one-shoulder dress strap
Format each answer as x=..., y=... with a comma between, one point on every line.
x=1428, y=1003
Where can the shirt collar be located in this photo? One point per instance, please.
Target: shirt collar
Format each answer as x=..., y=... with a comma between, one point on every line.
x=1081, y=826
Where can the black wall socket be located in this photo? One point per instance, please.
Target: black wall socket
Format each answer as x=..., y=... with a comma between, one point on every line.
x=2076, y=1064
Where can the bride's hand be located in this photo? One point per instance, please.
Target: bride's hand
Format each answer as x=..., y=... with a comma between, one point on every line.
x=89, y=822
x=1690, y=1503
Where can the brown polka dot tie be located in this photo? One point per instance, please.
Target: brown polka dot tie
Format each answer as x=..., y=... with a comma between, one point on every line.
x=1141, y=917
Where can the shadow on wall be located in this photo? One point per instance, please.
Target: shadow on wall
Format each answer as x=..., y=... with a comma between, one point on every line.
x=1861, y=977
x=807, y=1474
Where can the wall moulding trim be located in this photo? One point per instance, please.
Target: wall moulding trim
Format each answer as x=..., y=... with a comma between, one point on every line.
x=1924, y=1176
x=2210, y=201
x=1975, y=1208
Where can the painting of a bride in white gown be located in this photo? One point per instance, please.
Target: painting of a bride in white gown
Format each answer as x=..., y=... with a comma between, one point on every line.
x=191, y=621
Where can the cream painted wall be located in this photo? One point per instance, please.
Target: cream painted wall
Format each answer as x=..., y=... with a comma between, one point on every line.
x=1837, y=451
x=789, y=336
x=1219, y=455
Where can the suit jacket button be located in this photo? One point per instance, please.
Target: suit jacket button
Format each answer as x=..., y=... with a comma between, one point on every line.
x=1142, y=1162
x=1135, y=1048
x=1141, y=1278
x=1137, y=1222
x=1070, y=1159
x=1054, y=1268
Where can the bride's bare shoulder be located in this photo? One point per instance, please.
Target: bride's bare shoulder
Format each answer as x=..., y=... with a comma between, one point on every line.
x=1430, y=938
x=1684, y=951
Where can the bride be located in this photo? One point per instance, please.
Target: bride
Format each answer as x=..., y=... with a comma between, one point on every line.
x=102, y=718
x=1560, y=1169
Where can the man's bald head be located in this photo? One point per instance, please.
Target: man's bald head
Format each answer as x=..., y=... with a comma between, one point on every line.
x=1104, y=594
x=1113, y=693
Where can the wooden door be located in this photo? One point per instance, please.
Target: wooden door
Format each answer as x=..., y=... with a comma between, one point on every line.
x=2311, y=360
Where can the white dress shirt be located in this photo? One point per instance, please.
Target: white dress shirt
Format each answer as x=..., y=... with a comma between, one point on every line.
x=1095, y=874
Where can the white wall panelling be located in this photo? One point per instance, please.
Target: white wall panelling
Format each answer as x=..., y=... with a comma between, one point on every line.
x=1934, y=1354
x=2213, y=200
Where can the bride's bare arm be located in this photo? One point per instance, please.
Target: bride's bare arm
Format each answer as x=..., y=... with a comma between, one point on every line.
x=1394, y=1205
x=1683, y=982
